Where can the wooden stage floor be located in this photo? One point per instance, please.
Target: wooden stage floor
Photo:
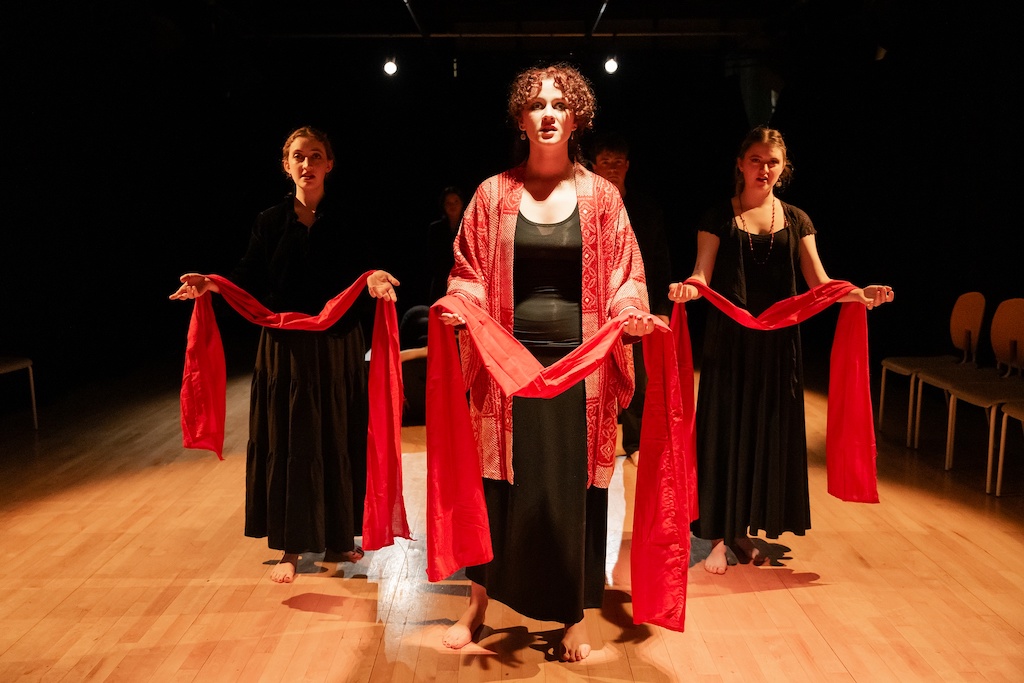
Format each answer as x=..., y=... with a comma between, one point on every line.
x=123, y=559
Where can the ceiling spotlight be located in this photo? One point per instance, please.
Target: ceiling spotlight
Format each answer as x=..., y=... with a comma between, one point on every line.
x=611, y=66
x=390, y=67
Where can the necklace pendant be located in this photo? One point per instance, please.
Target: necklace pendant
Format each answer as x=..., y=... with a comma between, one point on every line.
x=750, y=239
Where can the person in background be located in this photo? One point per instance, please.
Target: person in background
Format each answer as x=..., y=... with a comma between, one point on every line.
x=306, y=454
x=413, y=329
x=440, y=236
x=751, y=437
x=547, y=463
x=610, y=155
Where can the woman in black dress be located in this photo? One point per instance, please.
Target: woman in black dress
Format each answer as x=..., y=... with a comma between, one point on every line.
x=306, y=456
x=751, y=439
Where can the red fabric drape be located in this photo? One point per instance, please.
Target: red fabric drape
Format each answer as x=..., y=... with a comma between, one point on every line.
x=204, y=384
x=850, y=437
x=457, y=525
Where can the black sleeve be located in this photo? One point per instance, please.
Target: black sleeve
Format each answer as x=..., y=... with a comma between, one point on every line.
x=716, y=221
x=252, y=273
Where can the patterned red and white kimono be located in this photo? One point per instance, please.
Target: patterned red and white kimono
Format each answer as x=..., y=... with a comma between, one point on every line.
x=494, y=524
x=613, y=280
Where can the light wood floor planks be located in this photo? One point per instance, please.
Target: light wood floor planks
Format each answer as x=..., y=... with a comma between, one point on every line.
x=123, y=559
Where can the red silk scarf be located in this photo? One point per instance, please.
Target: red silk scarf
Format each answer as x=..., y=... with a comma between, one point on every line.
x=457, y=527
x=850, y=451
x=204, y=385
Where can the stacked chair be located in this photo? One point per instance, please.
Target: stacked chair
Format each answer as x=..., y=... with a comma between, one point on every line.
x=986, y=387
x=964, y=330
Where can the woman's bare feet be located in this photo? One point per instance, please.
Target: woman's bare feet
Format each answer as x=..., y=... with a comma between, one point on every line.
x=575, y=642
x=284, y=570
x=460, y=634
x=749, y=552
x=353, y=555
x=716, y=562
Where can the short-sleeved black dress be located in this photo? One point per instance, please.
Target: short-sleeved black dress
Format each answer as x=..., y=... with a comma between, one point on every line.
x=751, y=438
x=548, y=529
x=306, y=456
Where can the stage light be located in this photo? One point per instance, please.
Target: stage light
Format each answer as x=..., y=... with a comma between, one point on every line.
x=611, y=65
x=390, y=67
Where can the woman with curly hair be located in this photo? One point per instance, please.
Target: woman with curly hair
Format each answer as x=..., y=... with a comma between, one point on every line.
x=546, y=250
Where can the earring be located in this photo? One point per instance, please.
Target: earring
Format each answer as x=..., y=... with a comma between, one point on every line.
x=522, y=136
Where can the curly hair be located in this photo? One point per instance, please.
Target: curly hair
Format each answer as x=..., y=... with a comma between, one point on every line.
x=772, y=138
x=574, y=86
x=576, y=90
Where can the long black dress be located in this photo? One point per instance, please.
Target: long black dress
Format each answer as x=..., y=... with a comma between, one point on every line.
x=548, y=530
x=306, y=456
x=751, y=437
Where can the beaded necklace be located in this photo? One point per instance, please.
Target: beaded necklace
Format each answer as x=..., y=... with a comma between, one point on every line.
x=750, y=240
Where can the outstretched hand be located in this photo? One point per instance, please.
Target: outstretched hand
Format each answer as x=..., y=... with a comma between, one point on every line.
x=453, y=319
x=876, y=295
x=193, y=286
x=639, y=324
x=381, y=285
x=682, y=292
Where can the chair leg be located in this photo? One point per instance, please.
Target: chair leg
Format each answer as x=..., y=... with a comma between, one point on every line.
x=950, y=431
x=1002, y=455
x=910, y=406
x=32, y=391
x=993, y=414
x=917, y=416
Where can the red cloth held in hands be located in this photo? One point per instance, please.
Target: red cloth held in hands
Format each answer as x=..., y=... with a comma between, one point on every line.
x=204, y=384
x=458, y=533
x=850, y=450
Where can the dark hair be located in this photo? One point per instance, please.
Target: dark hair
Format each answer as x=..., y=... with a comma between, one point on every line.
x=307, y=132
x=575, y=89
x=451, y=189
x=611, y=142
x=773, y=138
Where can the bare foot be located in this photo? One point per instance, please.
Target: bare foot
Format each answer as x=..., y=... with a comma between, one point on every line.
x=353, y=555
x=460, y=634
x=622, y=572
x=745, y=547
x=716, y=562
x=284, y=570
x=575, y=642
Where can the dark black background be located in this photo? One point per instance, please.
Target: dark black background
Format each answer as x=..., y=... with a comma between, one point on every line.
x=141, y=141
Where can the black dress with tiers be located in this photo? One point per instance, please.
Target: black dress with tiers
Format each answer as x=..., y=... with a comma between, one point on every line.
x=306, y=455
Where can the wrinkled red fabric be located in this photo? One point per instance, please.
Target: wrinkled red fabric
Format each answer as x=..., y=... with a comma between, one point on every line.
x=457, y=527
x=850, y=449
x=204, y=384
